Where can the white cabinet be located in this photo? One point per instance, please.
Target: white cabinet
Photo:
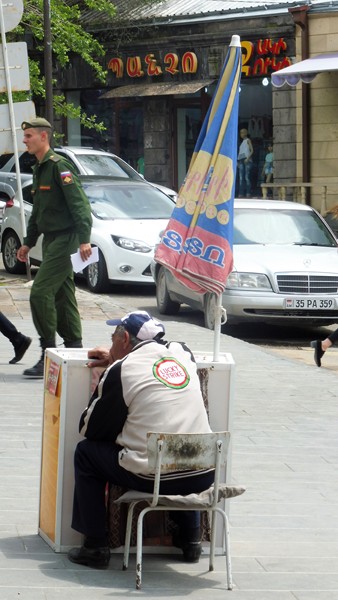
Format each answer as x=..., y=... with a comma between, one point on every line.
x=68, y=385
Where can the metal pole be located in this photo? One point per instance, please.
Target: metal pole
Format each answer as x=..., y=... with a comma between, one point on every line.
x=217, y=327
x=48, y=63
x=13, y=128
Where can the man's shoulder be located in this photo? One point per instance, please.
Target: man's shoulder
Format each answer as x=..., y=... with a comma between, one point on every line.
x=55, y=158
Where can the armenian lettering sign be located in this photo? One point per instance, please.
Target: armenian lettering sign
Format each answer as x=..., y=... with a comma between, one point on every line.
x=150, y=65
x=258, y=59
x=264, y=56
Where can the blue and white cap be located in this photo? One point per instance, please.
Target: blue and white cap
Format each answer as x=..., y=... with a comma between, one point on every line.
x=140, y=324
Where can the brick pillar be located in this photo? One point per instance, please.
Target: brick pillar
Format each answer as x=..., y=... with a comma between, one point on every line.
x=284, y=134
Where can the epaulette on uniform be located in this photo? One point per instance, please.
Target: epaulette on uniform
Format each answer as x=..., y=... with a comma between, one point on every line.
x=55, y=158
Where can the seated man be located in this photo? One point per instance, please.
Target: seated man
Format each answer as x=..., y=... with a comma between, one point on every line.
x=149, y=385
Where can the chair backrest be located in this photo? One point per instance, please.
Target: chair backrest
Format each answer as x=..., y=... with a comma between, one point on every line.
x=187, y=451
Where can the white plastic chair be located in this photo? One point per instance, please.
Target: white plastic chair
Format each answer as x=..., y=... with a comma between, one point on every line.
x=168, y=452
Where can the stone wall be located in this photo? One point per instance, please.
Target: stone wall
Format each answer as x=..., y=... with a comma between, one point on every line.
x=284, y=134
x=157, y=139
x=323, y=38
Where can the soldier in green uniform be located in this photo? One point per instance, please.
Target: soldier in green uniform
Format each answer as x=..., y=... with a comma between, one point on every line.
x=61, y=211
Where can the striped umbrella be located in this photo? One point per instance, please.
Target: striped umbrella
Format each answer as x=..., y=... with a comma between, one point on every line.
x=197, y=243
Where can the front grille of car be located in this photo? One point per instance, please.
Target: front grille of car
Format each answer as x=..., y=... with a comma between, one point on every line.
x=307, y=284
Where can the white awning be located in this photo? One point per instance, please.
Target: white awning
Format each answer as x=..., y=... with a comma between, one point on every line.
x=306, y=70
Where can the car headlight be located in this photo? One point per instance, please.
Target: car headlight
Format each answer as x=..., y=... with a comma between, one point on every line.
x=248, y=281
x=129, y=244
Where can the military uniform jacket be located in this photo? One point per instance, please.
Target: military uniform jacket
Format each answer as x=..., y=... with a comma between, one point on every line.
x=59, y=202
x=154, y=388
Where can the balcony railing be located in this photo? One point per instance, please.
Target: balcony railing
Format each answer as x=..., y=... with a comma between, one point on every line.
x=298, y=192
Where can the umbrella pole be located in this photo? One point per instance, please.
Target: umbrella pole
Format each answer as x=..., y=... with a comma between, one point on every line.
x=217, y=327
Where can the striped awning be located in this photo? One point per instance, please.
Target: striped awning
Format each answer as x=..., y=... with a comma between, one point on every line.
x=306, y=70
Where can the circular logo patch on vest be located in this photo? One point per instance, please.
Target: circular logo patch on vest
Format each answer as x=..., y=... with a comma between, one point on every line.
x=170, y=372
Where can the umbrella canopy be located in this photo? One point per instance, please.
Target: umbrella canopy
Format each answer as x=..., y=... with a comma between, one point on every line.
x=197, y=243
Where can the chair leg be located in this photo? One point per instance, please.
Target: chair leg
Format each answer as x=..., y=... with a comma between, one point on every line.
x=226, y=544
x=212, y=540
x=139, y=548
x=128, y=536
x=227, y=551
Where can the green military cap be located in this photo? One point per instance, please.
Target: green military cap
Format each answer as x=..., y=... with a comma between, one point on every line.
x=37, y=122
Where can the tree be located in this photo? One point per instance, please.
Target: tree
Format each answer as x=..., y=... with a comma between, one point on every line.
x=68, y=37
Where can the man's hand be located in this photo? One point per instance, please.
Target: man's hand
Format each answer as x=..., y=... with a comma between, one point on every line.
x=22, y=253
x=101, y=357
x=85, y=251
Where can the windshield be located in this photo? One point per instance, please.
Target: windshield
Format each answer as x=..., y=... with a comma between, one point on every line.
x=261, y=226
x=102, y=164
x=119, y=201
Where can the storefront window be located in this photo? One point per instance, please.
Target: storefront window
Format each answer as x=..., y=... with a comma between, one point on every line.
x=130, y=127
x=92, y=103
x=188, y=128
x=255, y=115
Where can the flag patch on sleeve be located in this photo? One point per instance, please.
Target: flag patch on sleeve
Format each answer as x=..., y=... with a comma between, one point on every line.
x=66, y=177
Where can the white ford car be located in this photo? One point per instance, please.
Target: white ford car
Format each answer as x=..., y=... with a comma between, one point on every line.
x=85, y=161
x=128, y=217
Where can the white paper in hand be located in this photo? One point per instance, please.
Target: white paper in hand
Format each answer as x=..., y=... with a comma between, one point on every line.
x=79, y=264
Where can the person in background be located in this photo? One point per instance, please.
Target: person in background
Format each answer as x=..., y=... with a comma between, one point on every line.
x=61, y=211
x=267, y=171
x=331, y=217
x=320, y=346
x=19, y=341
x=140, y=165
x=148, y=385
x=245, y=164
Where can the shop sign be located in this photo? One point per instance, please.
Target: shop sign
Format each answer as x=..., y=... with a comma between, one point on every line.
x=136, y=67
x=259, y=59
x=264, y=56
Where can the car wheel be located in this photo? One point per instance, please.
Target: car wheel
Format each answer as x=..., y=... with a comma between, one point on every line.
x=97, y=276
x=165, y=305
x=210, y=302
x=10, y=247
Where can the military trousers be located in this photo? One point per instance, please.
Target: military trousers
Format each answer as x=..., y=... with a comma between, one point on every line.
x=52, y=299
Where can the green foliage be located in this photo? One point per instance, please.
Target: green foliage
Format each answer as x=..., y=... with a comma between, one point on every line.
x=63, y=108
x=68, y=37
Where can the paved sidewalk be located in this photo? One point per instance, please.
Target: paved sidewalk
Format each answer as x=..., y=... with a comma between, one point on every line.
x=284, y=529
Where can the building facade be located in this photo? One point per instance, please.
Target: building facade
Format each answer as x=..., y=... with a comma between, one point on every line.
x=163, y=75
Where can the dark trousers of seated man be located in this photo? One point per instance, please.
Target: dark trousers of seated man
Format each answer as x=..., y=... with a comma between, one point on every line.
x=96, y=463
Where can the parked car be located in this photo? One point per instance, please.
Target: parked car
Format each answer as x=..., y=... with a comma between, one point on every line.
x=285, y=269
x=86, y=161
x=128, y=217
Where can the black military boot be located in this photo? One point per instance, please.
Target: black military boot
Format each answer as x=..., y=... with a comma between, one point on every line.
x=20, y=348
x=73, y=344
x=36, y=372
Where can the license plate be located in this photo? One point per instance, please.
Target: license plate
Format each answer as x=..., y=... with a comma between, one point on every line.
x=310, y=303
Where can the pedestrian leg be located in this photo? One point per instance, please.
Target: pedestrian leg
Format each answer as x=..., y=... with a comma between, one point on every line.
x=68, y=316
x=241, y=173
x=19, y=341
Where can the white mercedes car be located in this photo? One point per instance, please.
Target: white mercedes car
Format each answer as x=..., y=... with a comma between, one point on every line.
x=285, y=269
